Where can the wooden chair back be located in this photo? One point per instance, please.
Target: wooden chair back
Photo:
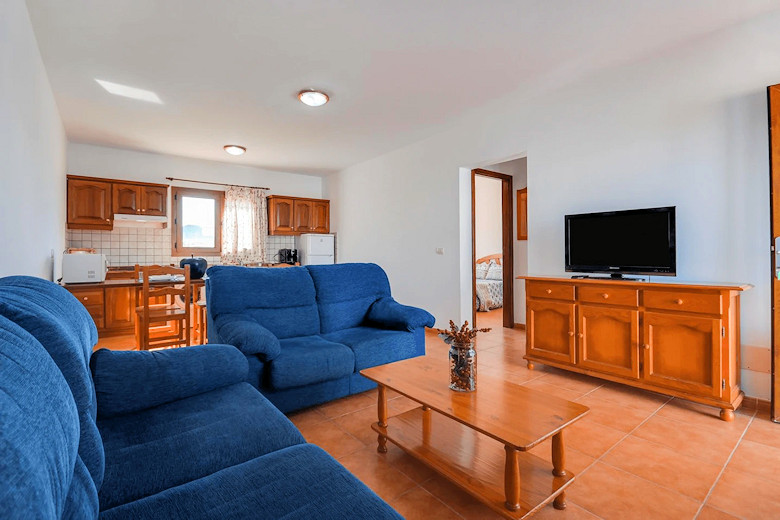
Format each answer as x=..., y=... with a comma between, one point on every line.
x=168, y=293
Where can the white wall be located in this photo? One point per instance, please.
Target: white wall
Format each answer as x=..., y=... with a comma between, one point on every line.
x=686, y=128
x=487, y=216
x=32, y=153
x=115, y=163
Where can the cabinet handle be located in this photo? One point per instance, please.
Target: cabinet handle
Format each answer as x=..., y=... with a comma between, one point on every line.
x=548, y=291
x=678, y=302
x=86, y=298
x=108, y=220
x=605, y=295
x=143, y=211
x=571, y=333
x=646, y=346
x=580, y=335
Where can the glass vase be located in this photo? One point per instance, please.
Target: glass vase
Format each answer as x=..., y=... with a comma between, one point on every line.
x=463, y=367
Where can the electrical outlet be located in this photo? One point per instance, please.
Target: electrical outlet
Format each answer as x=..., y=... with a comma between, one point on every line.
x=439, y=250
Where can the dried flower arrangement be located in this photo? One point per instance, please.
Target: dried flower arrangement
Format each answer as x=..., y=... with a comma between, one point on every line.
x=459, y=336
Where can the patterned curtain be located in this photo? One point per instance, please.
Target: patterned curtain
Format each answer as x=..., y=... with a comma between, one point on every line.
x=244, y=226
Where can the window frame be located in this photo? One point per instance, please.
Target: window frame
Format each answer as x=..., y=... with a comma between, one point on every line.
x=176, y=239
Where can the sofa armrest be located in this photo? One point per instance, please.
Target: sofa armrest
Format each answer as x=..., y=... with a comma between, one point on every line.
x=129, y=381
x=388, y=313
x=248, y=336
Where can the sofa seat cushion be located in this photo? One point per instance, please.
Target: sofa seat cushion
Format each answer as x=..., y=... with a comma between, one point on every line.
x=300, y=482
x=308, y=360
x=175, y=443
x=374, y=347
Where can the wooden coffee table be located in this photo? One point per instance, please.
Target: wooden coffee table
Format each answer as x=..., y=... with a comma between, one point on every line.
x=475, y=439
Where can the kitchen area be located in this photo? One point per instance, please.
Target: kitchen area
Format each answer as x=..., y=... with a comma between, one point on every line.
x=114, y=225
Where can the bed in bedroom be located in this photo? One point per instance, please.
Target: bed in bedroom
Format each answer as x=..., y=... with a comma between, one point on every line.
x=490, y=284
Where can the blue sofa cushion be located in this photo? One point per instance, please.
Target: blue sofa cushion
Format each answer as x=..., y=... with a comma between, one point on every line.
x=39, y=435
x=129, y=381
x=65, y=329
x=388, y=313
x=281, y=300
x=156, y=449
x=308, y=360
x=297, y=483
x=248, y=336
x=374, y=347
x=345, y=292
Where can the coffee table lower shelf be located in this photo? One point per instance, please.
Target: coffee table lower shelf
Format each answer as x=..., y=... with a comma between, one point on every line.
x=473, y=461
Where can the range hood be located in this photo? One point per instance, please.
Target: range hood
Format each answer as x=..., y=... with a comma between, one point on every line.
x=122, y=220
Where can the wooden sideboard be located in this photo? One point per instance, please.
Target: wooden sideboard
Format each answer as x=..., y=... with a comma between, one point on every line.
x=677, y=339
x=295, y=215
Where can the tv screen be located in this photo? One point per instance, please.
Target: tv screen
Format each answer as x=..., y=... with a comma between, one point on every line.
x=639, y=241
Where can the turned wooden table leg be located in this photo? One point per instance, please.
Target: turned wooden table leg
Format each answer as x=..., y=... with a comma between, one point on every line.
x=559, y=467
x=727, y=415
x=382, y=418
x=426, y=425
x=512, y=478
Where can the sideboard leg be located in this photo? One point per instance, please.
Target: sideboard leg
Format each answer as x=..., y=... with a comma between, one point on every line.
x=727, y=414
x=530, y=366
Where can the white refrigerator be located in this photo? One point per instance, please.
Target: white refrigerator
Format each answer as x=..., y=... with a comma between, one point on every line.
x=316, y=249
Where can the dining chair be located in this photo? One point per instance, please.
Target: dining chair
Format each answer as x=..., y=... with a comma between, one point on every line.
x=162, y=318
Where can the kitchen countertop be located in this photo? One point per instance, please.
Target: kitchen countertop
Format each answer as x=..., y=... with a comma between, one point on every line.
x=124, y=283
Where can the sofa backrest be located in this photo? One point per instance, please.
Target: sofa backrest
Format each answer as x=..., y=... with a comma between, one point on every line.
x=281, y=300
x=345, y=292
x=53, y=320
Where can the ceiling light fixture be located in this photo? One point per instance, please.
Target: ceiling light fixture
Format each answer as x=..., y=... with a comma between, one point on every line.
x=234, y=149
x=313, y=98
x=130, y=92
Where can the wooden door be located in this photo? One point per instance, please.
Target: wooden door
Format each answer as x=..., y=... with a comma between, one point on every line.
x=320, y=217
x=773, y=96
x=127, y=199
x=120, y=309
x=302, y=209
x=89, y=204
x=551, y=328
x=154, y=200
x=683, y=353
x=609, y=340
x=280, y=216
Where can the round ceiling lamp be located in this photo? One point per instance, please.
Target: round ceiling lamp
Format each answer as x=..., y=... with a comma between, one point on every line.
x=234, y=149
x=313, y=98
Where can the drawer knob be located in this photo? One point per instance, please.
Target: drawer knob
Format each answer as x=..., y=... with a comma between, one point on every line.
x=580, y=335
x=646, y=346
x=548, y=291
x=605, y=295
x=86, y=298
x=678, y=301
x=571, y=333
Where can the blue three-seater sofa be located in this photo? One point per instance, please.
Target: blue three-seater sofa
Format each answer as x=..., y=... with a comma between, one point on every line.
x=308, y=331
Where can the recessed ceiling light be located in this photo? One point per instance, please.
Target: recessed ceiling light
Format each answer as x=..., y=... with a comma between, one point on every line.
x=313, y=98
x=130, y=92
x=234, y=149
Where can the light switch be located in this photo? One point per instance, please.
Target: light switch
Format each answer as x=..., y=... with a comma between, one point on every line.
x=439, y=250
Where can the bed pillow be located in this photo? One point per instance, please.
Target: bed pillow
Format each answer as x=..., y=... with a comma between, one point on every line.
x=495, y=272
x=482, y=270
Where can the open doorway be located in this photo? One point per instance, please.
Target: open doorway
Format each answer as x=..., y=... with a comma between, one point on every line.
x=492, y=249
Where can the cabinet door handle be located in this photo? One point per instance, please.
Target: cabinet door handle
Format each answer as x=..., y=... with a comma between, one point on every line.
x=571, y=333
x=548, y=291
x=580, y=335
x=605, y=295
x=85, y=298
x=108, y=220
x=646, y=346
x=678, y=302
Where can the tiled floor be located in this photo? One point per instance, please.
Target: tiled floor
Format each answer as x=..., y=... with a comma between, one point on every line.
x=637, y=455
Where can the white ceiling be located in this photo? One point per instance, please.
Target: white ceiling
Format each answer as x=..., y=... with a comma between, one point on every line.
x=397, y=71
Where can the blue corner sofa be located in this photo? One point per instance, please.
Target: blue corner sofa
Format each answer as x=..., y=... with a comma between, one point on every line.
x=172, y=434
x=308, y=331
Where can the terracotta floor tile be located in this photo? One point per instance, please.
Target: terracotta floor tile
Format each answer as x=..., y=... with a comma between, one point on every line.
x=407, y=464
x=746, y=496
x=457, y=499
x=308, y=417
x=628, y=397
x=378, y=474
x=401, y=405
x=701, y=415
x=571, y=381
x=358, y=424
x=664, y=466
x=576, y=461
x=614, y=494
x=346, y=405
x=332, y=439
x=540, y=385
x=572, y=512
x=419, y=504
x=591, y=438
x=764, y=431
x=758, y=460
x=608, y=413
x=710, y=513
x=701, y=443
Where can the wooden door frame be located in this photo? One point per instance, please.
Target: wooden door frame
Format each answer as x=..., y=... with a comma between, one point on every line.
x=773, y=105
x=507, y=245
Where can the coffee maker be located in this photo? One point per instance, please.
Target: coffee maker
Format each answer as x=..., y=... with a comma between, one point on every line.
x=288, y=256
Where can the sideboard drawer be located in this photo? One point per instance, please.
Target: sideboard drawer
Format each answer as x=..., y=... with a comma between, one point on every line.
x=88, y=297
x=683, y=301
x=609, y=295
x=553, y=291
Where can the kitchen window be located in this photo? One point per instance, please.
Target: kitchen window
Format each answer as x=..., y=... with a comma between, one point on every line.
x=197, y=222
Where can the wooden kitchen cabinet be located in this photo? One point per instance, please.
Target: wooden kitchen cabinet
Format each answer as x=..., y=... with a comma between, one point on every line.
x=93, y=299
x=127, y=198
x=139, y=199
x=120, y=309
x=154, y=200
x=676, y=339
x=295, y=215
x=89, y=204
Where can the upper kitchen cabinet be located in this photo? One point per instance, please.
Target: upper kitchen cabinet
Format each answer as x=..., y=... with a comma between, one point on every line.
x=89, y=204
x=295, y=215
x=93, y=202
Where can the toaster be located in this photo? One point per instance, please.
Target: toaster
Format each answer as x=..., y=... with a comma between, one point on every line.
x=83, y=267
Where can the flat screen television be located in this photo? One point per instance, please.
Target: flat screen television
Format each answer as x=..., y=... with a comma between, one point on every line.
x=637, y=241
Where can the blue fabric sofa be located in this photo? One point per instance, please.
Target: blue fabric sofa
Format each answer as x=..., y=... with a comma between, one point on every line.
x=308, y=331
x=172, y=434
